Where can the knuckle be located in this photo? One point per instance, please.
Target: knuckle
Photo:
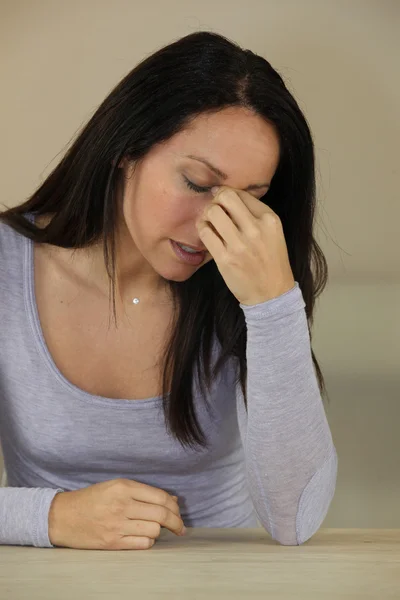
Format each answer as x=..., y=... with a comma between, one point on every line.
x=226, y=259
x=231, y=257
x=210, y=209
x=229, y=194
x=254, y=233
x=120, y=484
x=163, y=513
x=107, y=541
x=164, y=498
x=271, y=218
x=110, y=533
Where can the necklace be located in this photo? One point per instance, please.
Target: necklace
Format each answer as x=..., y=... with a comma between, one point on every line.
x=136, y=301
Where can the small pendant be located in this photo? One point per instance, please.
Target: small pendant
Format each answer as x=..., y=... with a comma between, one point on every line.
x=135, y=300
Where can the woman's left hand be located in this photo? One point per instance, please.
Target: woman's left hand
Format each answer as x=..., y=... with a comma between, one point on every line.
x=250, y=248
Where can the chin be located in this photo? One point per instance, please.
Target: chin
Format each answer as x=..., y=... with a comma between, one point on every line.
x=180, y=277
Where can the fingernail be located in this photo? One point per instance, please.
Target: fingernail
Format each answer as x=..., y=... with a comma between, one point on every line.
x=214, y=189
x=184, y=530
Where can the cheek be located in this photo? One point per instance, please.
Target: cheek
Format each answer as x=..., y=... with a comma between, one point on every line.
x=177, y=209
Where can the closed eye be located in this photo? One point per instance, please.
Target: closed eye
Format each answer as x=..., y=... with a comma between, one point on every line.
x=196, y=188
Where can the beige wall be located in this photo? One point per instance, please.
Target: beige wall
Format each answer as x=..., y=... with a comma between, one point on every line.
x=340, y=58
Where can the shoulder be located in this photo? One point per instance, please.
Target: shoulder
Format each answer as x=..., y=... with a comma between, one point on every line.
x=11, y=247
x=8, y=238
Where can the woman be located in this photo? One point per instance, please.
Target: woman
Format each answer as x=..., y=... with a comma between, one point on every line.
x=107, y=428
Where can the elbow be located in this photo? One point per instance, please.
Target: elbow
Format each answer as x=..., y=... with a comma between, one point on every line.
x=316, y=499
x=288, y=534
x=290, y=537
x=313, y=507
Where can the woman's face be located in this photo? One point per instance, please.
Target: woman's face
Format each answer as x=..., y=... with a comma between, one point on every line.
x=158, y=204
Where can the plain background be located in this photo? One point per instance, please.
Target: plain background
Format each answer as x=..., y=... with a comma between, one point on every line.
x=340, y=59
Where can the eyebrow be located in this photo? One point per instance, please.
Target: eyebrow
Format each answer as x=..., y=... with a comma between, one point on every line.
x=222, y=175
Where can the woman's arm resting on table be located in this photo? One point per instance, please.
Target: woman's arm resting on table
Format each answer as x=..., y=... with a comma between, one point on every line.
x=291, y=460
x=24, y=516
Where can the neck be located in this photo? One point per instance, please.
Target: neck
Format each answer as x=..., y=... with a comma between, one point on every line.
x=133, y=276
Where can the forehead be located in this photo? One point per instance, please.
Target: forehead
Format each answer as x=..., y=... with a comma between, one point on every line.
x=236, y=140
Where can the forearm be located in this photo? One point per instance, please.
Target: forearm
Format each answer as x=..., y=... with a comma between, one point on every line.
x=24, y=516
x=291, y=461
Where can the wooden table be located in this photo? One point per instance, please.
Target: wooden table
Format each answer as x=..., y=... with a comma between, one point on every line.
x=212, y=564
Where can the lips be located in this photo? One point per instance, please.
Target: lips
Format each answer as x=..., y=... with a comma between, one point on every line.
x=197, y=248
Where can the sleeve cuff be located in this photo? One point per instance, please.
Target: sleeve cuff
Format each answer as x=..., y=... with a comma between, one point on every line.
x=40, y=534
x=285, y=304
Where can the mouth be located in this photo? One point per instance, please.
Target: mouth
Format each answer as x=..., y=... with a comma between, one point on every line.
x=193, y=258
x=196, y=248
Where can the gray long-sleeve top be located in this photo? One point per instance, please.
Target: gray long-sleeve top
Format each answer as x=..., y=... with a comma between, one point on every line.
x=276, y=462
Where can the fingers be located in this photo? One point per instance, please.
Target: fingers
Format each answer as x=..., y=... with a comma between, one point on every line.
x=153, y=495
x=174, y=507
x=144, y=511
x=137, y=528
x=132, y=542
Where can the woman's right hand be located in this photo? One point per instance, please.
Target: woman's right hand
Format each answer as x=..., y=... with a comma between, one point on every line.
x=119, y=514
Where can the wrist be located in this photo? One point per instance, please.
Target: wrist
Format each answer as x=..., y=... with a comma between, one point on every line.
x=55, y=518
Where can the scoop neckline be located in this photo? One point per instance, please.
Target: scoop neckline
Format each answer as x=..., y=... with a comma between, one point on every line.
x=33, y=316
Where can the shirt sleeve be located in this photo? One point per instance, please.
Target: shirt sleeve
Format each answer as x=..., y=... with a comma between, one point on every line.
x=24, y=516
x=291, y=461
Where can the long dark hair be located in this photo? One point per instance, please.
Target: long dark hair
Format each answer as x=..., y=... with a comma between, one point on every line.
x=200, y=72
